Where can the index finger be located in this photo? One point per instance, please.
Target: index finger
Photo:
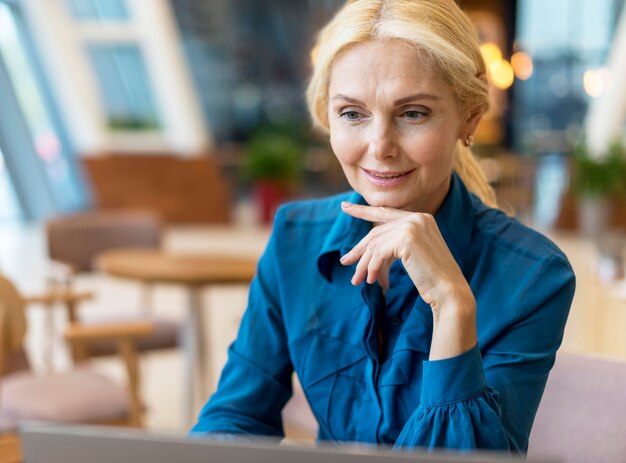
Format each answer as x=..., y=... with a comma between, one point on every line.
x=373, y=213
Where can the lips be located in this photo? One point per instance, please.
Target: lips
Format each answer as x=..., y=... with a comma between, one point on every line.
x=387, y=178
x=386, y=175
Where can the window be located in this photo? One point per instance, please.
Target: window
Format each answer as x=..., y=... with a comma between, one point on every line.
x=9, y=209
x=124, y=86
x=49, y=175
x=101, y=10
x=551, y=105
x=568, y=41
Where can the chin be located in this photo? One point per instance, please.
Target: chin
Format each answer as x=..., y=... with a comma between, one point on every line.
x=385, y=199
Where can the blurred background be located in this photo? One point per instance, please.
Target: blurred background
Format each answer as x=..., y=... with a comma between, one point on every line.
x=91, y=83
x=194, y=111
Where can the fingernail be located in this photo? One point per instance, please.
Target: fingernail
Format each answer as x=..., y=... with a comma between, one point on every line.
x=343, y=258
x=345, y=204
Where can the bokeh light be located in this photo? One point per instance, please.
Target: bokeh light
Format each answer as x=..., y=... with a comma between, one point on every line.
x=491, y=53
x=522, y=65
x=596, y=81
x=502, y=74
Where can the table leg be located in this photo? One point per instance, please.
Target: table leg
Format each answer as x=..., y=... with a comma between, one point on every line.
x=49, y=340
x=198, y=369
x=205, y=371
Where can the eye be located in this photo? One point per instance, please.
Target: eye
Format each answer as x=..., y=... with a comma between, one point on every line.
x=414, y=114
x=351, y=115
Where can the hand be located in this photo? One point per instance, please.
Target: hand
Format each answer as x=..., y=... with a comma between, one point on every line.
x=414, y=238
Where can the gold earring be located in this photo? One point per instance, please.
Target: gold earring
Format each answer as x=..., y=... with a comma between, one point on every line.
x=469, y=141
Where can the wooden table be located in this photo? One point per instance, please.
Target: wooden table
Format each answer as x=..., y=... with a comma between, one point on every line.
x=195, y=271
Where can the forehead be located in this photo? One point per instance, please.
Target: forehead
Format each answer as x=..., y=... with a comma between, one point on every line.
x=389, y=65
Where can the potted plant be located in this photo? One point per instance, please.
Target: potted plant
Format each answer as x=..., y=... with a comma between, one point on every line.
x=598, y=180
x=273, y=165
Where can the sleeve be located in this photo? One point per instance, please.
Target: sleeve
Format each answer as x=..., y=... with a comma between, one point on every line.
x=488, y=400
x=255, y=384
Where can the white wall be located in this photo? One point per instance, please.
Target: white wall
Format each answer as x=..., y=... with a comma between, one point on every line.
x=607, y=112
x=152, y=25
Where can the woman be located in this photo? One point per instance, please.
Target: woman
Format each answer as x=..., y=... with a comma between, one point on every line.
x=413, y=312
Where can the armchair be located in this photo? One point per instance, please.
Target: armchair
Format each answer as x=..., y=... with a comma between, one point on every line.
x=77, y=395
x=582, y=414
x=75, y=240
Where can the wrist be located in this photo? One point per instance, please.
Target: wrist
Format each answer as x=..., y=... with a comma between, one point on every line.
x=457, y=302
x=454, y=329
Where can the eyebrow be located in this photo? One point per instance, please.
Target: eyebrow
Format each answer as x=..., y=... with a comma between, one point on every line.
x=398, y=102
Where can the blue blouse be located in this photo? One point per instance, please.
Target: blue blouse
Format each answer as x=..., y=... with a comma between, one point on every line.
x=304, y=315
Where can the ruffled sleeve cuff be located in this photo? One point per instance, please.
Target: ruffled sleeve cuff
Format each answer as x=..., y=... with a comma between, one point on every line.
x=454, y=379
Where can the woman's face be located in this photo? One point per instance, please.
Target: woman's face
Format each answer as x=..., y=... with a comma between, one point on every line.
x=394, y=125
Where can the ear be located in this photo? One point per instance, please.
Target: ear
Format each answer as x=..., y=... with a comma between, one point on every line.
x=473, y=117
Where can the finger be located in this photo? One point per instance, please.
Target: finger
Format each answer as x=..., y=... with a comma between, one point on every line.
x=357, y=251
x=373, y=214
x=378, y=268
x=361, y=269
x=383, y=275
x=374, y=267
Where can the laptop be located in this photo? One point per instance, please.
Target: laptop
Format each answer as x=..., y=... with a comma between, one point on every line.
x=55, y=443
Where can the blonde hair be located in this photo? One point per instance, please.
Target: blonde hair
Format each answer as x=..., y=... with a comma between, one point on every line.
x=440, y=31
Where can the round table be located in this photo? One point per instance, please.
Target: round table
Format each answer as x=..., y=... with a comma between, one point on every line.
x=195, y=271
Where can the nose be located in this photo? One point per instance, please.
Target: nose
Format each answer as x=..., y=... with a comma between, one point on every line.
x=382, y=143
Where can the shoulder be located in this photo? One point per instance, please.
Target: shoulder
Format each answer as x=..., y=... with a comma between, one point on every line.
x=498, y=229
x=525, y=261
x=515, y=263
x=310, y=212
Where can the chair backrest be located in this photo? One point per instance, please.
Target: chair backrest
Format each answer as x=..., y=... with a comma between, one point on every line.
x=582, y=416
x=12, y=328
x=180, y=189
x=76, y=239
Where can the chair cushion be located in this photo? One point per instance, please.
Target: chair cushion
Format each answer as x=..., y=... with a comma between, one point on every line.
x=74, y=396
x=581, y=416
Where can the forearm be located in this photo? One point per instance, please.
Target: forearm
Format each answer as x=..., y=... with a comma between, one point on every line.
x=454, y=327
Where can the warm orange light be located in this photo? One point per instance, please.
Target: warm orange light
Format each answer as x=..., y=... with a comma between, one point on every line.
x=491, y=53
x=522, y=65
x=502, y=74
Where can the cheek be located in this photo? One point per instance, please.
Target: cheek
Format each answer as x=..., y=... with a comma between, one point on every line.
x=345, y=147
x=431, y=149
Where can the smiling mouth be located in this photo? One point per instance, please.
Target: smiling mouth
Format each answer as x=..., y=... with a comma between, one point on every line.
x=386, y=179
x=376, y=174
x=387, y=175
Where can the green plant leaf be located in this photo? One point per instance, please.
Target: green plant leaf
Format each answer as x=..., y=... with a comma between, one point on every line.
x=273, y=155
x=603, y=175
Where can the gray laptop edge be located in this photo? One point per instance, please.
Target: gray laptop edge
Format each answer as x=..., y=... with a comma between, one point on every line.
x=54, y=443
